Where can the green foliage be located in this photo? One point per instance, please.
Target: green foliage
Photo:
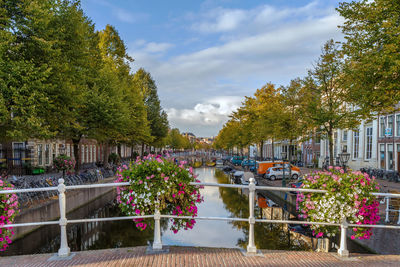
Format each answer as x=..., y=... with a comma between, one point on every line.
x=114, y=158
x=372, y=49
x=156, y=116
x=59, y=78
x=324, y=104
x=176, y=141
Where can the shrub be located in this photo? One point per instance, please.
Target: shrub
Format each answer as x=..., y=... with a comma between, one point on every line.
x=63, y=163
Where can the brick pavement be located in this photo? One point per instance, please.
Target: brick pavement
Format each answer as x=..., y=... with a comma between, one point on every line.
x=194, y=256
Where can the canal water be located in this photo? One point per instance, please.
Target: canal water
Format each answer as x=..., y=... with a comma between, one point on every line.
x=218, y=202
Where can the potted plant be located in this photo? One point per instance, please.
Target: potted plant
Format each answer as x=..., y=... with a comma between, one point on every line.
x=158, y=183
x=348, y=198
x=64, y=163
x=8, y=210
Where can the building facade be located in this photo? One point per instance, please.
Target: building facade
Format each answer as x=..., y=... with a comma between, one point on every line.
x=361, y=143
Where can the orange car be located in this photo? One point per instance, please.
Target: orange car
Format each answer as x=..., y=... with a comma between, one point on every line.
x=263, y=166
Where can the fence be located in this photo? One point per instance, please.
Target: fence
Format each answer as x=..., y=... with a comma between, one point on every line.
x=64, y=250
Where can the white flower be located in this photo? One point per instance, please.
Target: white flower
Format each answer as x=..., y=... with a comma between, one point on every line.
x=158, y=169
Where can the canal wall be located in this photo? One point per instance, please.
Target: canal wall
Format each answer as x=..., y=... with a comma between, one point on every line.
x=50, y=210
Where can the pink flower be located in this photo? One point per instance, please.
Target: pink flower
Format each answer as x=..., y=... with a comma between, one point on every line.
x=166, y=178
x=353, y=237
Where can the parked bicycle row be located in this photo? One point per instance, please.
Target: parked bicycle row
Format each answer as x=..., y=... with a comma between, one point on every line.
x=390, y=175
x=49, y=180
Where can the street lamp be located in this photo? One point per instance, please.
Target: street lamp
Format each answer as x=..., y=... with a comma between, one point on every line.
x=344, y=158
x=283, y=155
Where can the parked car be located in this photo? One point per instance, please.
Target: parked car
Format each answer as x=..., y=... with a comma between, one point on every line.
x=263, y=166
x=248, y=163
x=219, y=162
x=237, y=160
x=277, y=173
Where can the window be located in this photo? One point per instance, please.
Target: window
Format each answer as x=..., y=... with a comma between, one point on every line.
x=18, y=153
x=83, y=154
x=87, y=153
x=94, y=153
x=382, y=127
x=91, y=153
x=40, y=154
x=390, y=157
x=398, y=125
x=382, y=156
x=390, y=124
x=368, y=139
x=68, y=150
x=344, y=135
x=356, y=143
x=47, y=153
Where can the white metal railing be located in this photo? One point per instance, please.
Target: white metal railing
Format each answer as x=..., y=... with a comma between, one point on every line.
x=157, y=244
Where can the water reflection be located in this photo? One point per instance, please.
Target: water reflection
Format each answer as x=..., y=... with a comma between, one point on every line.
x=218, y=202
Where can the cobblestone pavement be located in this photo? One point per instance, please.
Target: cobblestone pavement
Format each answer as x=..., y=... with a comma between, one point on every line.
x=191, y=256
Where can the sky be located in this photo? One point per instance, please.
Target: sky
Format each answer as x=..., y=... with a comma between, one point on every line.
x=205, y=56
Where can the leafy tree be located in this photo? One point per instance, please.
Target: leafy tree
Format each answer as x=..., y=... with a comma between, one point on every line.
x=156, y=116
x=121, y=115
x=324, y=97
x=372, y=50
x=23, y=100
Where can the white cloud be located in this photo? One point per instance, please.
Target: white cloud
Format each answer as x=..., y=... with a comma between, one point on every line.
x=261, y=45
x=143, y=48
x=223, y=20
x=212, y=113
x=123, y=15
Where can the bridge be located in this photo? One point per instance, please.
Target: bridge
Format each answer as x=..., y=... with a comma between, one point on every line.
x=194, y=256
x=159, y=255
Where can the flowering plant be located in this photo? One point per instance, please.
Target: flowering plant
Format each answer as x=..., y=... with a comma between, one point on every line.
x=8, y=211
x=156, y=182
x=348, y=197
x=64, y=163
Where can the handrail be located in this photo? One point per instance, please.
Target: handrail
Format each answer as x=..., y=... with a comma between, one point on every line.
x=251, y=249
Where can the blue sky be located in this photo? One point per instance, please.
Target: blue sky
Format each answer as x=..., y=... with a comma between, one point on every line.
x=205, y=56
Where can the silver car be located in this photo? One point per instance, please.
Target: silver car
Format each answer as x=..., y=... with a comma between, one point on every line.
x=277, y=173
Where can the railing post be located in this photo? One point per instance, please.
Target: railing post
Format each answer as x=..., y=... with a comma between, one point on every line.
x=387, y=210
x=64, y=249
x=157, y=245
x=251, y=247
x=343, y=252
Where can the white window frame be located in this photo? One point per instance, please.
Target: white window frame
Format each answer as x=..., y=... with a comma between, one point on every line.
x=368, y=142
x=382, y=129
x=356, y=145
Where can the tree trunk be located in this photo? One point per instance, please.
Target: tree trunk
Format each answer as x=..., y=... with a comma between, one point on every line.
x=119, y=150
x=142, y=149
x=106, y=153
x=290, y=159
x=273, y=151
x=261, y=149
x=77, y=154
x=330, y=138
